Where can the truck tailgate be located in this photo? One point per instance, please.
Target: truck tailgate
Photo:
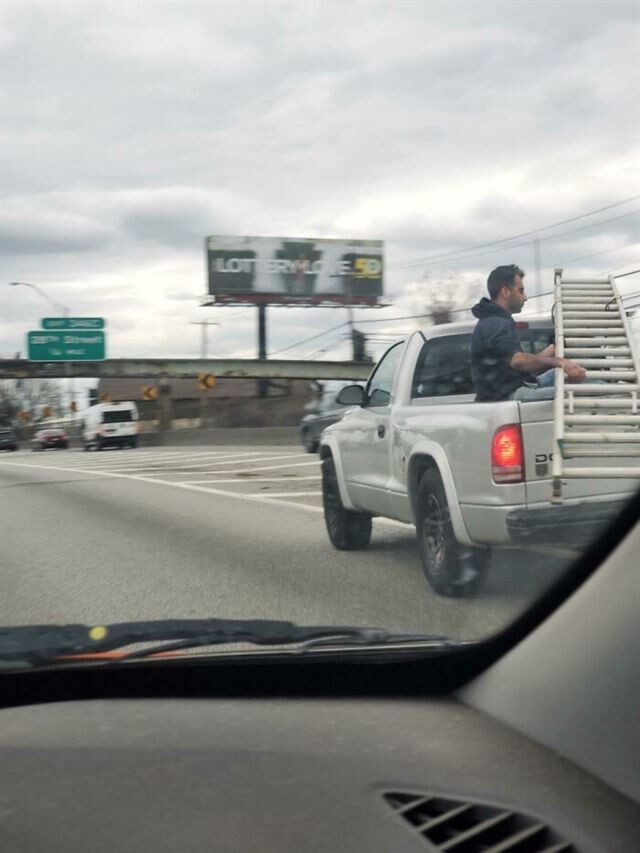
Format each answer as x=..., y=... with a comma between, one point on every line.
x=537, y=432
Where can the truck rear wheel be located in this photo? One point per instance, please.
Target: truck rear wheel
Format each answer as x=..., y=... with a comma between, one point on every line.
x=348, y=531
x=451, y=569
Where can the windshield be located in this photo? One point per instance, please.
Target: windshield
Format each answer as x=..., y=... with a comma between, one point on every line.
x=217, y=217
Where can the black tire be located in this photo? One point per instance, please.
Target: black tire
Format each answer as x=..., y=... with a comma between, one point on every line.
x=451, y=569
x=348, y=531
x=309, y=444
x=133, y=443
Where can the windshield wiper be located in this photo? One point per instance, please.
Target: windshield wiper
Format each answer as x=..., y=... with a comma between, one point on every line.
x=42, y=644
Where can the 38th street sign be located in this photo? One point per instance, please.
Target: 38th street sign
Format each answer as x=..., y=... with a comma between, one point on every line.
x=66, y=346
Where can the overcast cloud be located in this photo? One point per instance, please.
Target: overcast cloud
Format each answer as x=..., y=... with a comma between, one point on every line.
x=133, y=130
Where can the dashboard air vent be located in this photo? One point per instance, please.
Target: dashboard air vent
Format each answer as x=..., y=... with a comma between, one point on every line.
x=460, y=826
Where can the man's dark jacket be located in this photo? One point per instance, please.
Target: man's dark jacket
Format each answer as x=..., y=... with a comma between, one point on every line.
x=494, y=343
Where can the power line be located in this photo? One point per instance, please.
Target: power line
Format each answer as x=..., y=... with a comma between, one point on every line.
x=306, y=340
x=327, y=346
x=593, y=255
x=528, y=243
x=455, y=310
x=446, y=255
x=535, y=296
x=313, y=354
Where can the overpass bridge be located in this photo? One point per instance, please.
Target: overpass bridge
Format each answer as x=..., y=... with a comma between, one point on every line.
x=184, y=368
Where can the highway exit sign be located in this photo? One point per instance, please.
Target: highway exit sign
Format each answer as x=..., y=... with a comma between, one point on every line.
x=65, y=346
x=57, y=323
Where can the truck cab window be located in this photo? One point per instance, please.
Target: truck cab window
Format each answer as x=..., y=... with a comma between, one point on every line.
x=443, y=368
x=379, y=387
x=535, y=340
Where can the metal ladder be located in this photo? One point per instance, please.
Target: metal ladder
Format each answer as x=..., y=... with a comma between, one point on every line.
x=594, y=420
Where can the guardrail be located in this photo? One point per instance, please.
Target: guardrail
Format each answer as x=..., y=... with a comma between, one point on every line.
x=183, y=368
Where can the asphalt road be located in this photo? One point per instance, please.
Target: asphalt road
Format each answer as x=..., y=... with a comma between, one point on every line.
x=229, y=532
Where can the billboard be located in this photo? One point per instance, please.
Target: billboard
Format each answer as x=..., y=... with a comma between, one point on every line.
x=294, y=270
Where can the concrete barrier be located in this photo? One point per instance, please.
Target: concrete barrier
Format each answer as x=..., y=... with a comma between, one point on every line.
x=235, y=436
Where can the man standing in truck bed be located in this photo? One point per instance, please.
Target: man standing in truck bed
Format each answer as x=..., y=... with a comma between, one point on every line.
x=499, y=368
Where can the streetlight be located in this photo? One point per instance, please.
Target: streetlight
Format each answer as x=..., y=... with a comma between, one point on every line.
x=61, y=308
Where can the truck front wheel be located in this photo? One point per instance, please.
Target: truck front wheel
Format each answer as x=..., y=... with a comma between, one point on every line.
x=348, y=531
x=451, y=569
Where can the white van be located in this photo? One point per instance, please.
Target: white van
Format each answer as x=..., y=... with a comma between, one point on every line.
x=110, y=425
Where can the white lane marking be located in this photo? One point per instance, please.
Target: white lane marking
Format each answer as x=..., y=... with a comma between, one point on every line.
x=284, y=494
x=167, y=469
x=186, y=486
x=379, y=522
x=160, y=458
x=249, y=470
x=192, y=487
x=160, y=461
x=105, y=460
x=250, y=480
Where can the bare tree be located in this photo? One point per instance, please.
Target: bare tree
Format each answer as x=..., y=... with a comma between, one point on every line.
x=445, y=296
x=29, y=395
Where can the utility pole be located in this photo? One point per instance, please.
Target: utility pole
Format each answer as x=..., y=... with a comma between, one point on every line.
x=351, y=331
x=537, y=266
x=204, y=335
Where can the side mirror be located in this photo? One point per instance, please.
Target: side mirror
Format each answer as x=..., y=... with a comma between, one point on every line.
x=351, y=395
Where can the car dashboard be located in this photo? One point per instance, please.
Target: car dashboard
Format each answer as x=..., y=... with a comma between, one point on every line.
x=283, y=774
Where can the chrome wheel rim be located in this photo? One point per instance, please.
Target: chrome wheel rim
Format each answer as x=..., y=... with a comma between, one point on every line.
x=435, y=546
x=331, y=506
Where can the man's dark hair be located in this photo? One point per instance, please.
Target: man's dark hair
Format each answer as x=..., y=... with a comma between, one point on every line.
x=501, y=276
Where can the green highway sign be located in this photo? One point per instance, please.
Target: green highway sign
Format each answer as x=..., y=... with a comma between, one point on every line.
x=73, y=323
x=66, y=346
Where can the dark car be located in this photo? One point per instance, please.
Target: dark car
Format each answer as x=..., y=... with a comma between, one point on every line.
x=8, y=440
x=52, y=438
x=326, y=412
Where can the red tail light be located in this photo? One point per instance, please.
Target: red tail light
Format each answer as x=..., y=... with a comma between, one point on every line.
x=507, y=459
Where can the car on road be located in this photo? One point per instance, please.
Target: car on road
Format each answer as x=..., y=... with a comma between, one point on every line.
x=416, y=447
x=8, y=440
x=52, y=438
x=325, y=412
x=110, y=425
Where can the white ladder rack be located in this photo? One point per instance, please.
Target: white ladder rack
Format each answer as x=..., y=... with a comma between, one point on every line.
x=594, y=419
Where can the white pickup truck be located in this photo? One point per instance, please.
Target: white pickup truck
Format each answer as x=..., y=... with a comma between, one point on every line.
x=416, y=447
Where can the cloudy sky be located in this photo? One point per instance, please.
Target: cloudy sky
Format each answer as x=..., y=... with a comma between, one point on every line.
x=133, y=130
